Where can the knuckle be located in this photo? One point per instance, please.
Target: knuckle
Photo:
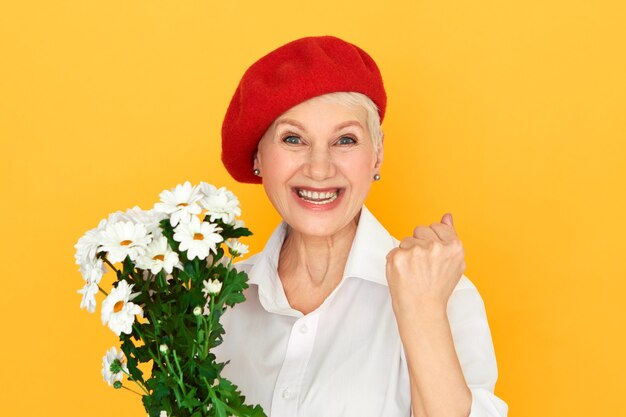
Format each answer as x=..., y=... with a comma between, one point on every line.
x=419, y=229
x=416, y=250
x=456, y=246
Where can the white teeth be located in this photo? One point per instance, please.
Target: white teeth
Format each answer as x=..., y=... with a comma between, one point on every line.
x=318, y=197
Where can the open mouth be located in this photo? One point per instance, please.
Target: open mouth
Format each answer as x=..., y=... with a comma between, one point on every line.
x=318, y=197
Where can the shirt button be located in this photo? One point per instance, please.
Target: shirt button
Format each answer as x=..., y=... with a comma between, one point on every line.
x=304, y=328
x=286, y=394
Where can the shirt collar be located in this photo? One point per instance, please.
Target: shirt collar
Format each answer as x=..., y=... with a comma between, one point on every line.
x=368, y=256
x=366, y=260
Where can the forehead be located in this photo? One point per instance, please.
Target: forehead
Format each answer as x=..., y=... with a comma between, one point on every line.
x=320, y=112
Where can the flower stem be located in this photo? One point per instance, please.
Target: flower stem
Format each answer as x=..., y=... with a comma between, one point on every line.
x=103, y=291
x=152, y=355
x=180, y=371
x=209, y=319
x=178, y=374
x=110, y=264
x=133, y=391
x=130, y=378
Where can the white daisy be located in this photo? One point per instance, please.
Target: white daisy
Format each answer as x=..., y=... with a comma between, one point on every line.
x=198, y=238
x=211, y=286
x=149, y=218
x=123, y=239
x=236, y=248
x=118, y=311
x=113, y=366
x=115, y=217
x=89, y=292
x=158, y=256
x=87, y=245
x=180, y=203
x=220, y=203
x=239, y=224
x=206, y=189
x=93, y=271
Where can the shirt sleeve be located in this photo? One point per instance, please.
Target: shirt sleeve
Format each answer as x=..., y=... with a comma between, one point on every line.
x=474, y=348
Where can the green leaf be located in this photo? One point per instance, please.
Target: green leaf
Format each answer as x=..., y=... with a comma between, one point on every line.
x=190, y=269
x=132, y=361
x=190, y=401
x=229, y=231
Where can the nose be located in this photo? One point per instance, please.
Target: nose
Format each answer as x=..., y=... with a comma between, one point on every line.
x=320, y=165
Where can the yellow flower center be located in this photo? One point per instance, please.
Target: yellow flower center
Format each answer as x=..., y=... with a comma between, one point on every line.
x=126, y=242
x=118, y=306
x=158, y=257
x=198, y=236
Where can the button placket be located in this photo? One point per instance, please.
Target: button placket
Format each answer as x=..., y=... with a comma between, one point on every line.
x=287, y=394
x=289, y=381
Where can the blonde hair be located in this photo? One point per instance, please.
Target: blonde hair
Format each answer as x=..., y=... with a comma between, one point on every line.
x=354, y=99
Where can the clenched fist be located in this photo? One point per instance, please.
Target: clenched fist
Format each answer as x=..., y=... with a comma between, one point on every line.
x=423, y=271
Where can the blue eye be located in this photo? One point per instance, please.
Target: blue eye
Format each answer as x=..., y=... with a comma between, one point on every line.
x=292, y=140
x=346, y=140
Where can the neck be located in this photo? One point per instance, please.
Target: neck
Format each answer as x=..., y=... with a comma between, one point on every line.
x=316, y=261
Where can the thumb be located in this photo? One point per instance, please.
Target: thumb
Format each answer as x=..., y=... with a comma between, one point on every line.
x=447, y=219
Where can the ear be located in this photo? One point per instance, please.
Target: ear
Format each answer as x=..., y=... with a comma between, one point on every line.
x=255, y=162
x=380, y=153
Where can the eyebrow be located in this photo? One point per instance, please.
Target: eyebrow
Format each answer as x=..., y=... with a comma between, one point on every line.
x=300, y=126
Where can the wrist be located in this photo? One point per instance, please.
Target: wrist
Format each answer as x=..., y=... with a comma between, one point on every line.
x=422, y=311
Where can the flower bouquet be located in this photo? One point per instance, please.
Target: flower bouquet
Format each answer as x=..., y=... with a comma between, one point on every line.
x=174, y=282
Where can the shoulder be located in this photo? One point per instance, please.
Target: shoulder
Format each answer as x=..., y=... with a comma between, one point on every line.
x=465, y=302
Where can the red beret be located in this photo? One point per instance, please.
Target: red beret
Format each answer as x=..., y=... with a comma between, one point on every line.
x=293, y=73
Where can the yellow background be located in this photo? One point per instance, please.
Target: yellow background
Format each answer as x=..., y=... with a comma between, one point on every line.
x=509, y=114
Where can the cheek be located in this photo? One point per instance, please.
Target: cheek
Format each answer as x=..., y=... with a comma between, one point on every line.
x=277, y=168
x=359, y=167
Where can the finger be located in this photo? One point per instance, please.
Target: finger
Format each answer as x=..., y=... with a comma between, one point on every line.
x=447, y=219
x=407, y=242
x=425, y=233
x=444, y=232
x=390, y=255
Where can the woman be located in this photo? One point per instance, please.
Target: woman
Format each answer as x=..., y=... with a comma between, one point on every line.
x=340, y=318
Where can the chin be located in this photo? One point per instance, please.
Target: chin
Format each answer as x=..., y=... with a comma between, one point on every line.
x=319, y=224
x=315, y=230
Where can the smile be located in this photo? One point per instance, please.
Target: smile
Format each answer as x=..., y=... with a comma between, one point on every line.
x=319, y=198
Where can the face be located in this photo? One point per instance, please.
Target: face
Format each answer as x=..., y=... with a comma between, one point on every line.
x=317, y=162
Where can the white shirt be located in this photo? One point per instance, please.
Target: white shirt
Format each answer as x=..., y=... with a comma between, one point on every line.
x=345, y=358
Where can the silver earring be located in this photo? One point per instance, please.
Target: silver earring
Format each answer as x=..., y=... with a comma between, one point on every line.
x=257, y=171
x=376, y=177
